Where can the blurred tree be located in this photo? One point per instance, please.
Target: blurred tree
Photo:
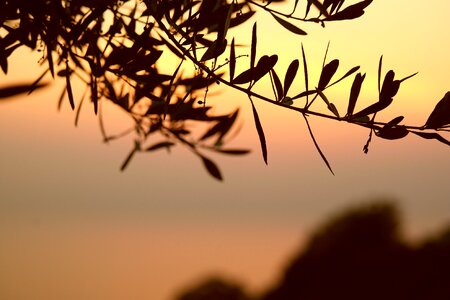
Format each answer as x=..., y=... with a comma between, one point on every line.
x=115, y=48
x=214, y=289
x=358, y=254
x=361, y=254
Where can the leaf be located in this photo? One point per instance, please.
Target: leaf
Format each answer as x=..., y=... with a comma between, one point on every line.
x=69, y=86
x=215, y=50
x=304, y=94
x=290, y=75
x=130, y=155
x=327, y=73
x=432, y=135
x=211, y=167
x=295, y=6
x=333, y=109
x=259, y=129
x=14, y=90
x=330, y=105
x=239, y=19
x=395, y=121
x=232, y=151
x=350, y=12
x=232, y=60
x=77, y=114
x=223, y=34
x=253, y=47
x=265, y=64
x=277, y=83
x=94, y=93
x=50, y=61
x=441, y=114
x=349, y=72
x=305, y=70
x=37, y=81
x=319, y=6
x=389, y=89
x=3, y=62
x=244, y=77
x=380, y=64
x=61, y=98
x=221, y=128
x=371, y=109
x=392, y=132
x=289, y=26
x=354, y=93
x=160, y=145
x=317, y=145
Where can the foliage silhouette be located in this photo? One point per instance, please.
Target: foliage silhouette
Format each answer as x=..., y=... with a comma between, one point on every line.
x=360, y=254
x=214, y=288
x=115, y=48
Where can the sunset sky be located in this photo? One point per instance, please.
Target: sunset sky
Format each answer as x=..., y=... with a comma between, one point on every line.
x=73, y=227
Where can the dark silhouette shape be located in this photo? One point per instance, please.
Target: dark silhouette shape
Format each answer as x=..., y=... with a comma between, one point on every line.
x=214, y=288
x=358, y=254
x=361, y=255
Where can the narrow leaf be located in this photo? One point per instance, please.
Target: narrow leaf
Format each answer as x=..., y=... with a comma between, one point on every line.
x=253, y=47
x=350, y=72
x=77, y=115
x=259, y=129
x=69, y=86
x=244, y=77
x=380, y=65
x=130, y=156
x=330, y=105
x=354, y=93
x=94, y=93
x=14, y=90
x=289, y=26
x=37, y=81
x=392, y=133
x=227, y=21
x=441, y=113
x=232, y=60
x=265, y=64
x=277, y=83
x=305, y=70
x=317, y=145
x=50, y=62
x=395, y=121
x=432, y=135
x=61, y=98
x=290, y=75
x=327, y=73
x=304, y=94
x=232, y=151
x=159, y=145
x=215, y=50
x=211, y=167
x=295, y=6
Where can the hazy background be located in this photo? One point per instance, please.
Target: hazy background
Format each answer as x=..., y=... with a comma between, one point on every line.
x=73, y=227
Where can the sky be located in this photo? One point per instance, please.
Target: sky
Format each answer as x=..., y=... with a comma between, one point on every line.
x=73, y=227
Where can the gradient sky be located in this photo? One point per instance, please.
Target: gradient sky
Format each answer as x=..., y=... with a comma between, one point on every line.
x=73, y=227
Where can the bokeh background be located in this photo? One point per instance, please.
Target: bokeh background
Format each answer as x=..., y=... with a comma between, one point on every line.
x=72, y=226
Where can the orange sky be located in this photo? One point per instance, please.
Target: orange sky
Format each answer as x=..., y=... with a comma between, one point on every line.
x=73, y=227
